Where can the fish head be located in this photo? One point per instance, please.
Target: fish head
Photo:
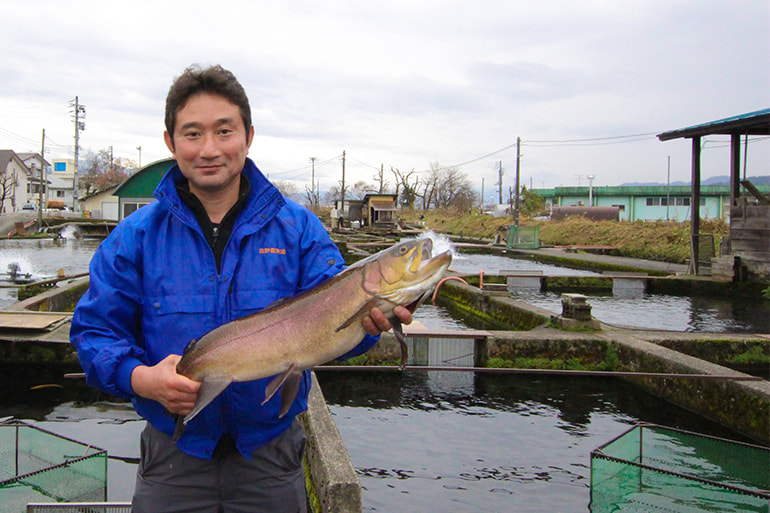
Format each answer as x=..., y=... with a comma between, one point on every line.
x=405, y=273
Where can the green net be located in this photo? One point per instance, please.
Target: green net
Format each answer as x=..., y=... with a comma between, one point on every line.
x=524, y=237
x=654, y=468
x=39, y=466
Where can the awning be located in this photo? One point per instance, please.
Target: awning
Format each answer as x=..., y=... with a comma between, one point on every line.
x=383, y=206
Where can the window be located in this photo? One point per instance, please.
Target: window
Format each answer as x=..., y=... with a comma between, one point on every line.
x=622, y=208
x=59, y=194
x=653, y=202
x=130, y=208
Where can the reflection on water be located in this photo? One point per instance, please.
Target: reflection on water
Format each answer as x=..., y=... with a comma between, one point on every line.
x=676, y=313
x=430, y=441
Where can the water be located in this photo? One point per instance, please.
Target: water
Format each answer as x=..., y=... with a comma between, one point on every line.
x=422, y=441
x=662, y=312
x=430, y=441
x=42, y=258
x=419, y=441
x=493, y=264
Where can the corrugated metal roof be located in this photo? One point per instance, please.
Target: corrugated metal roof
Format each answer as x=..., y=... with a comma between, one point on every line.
x=751, y=123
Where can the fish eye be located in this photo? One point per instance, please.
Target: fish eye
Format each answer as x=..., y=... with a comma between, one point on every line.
x=402, y=250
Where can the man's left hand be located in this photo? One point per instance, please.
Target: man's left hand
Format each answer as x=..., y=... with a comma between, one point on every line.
x=376, y=322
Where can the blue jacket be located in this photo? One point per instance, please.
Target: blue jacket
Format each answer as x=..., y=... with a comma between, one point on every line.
x=154, y=287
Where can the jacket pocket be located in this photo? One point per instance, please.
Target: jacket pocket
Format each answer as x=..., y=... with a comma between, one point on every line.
x=170, y=322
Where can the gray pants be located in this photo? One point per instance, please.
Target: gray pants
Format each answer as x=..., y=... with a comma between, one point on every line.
x=169, y=480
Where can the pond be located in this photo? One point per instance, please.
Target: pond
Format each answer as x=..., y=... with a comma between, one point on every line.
x=419, y=441
x=43, y=258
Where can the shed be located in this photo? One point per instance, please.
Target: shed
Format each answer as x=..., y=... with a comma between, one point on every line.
x=136, y=191
x=378, y=210
x=750, y=213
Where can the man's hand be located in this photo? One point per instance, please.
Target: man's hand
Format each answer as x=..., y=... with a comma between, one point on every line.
x=161, y=383
x=376, y=322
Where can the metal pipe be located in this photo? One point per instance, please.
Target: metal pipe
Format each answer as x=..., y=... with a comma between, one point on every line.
x=563, y=372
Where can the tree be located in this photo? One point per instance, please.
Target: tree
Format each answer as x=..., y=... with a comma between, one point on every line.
x=408, y=190
x=8, y=183
x=531, y=203
x=102, y=170
x=288, y=189
x=447, y=188
x=360, y=189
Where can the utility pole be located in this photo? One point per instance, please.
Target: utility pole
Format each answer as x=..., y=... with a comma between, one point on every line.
x=482, y=194
x=518, y=170
x=79, y=113
x=40, y=187
x=500, y=181
x=312, y=183
x=140, y=156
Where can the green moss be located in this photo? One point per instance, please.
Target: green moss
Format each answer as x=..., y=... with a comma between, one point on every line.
x=314, y=503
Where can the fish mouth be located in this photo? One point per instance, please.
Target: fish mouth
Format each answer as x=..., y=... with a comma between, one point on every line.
x=424, y=265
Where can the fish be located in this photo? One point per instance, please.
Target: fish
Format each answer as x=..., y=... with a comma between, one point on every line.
x=312, y=328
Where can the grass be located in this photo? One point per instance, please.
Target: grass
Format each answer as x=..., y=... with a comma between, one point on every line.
x=666, y=241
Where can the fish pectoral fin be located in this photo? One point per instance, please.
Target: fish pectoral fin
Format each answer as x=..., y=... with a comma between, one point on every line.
x=364, y=309
x=210, y=388
x=276, y=383
x=398, y=331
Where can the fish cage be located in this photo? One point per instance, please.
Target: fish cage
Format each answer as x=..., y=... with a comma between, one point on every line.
x=524, y=237
x=37, y=465
x=657, y=468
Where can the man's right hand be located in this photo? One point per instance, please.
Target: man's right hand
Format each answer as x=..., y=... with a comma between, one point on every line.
x=161, y=383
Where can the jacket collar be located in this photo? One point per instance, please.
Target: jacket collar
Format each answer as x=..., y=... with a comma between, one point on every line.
x=263, y=203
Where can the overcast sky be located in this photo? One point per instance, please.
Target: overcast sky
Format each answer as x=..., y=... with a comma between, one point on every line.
x=586, y=85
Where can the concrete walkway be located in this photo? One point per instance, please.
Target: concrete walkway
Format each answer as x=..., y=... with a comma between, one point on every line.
x=634, y=263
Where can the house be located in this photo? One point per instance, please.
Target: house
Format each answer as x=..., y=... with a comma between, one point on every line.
x=102, y=204
x=14, y=182
x=136, y=190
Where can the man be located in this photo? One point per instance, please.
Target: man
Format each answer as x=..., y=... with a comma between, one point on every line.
x=219, y=243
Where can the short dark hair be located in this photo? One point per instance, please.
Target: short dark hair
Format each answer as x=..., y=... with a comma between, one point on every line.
x=212, y=80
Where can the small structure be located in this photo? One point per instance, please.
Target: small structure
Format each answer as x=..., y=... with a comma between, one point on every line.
x=749, y=215
x=377, y=211
x=348, y=213
x=575, y=314
x=593, y=213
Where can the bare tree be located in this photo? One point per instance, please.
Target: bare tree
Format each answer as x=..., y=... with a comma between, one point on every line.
x=407, y=189
x=8, y=183
x=288, y=189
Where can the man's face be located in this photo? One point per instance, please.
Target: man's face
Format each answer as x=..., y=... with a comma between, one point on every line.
x=210, y=143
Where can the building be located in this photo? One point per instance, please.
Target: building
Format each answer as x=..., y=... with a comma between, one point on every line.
x=102, y=204
x=646, y=203
x=377, y=211
x=749, y=243
x=14, y=182
x=136, y=191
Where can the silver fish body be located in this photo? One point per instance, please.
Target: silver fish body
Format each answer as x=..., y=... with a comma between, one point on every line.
x=313, y=328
